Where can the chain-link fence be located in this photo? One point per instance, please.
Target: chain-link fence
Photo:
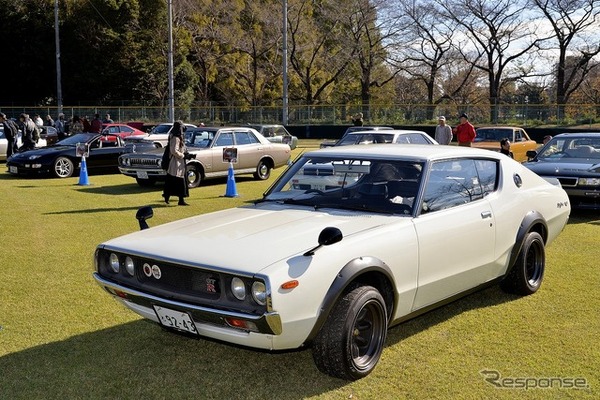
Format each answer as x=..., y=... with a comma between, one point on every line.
x=397, y=114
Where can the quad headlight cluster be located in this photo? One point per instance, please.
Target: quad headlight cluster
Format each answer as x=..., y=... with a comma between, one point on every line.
x=115, y=264
x=258, y=291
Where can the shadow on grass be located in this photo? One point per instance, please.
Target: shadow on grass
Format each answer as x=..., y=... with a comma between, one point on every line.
x=140, y=360
x=579, y=216
x=158, y=204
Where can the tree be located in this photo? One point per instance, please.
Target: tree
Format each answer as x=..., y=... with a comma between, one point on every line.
x=570, y=21
x=501, y=41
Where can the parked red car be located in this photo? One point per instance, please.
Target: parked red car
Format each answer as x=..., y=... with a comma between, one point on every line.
x=121, y=130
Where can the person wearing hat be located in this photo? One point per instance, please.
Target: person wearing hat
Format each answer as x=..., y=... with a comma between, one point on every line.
x=443, y=132
x=465, y=132
x=11, y=130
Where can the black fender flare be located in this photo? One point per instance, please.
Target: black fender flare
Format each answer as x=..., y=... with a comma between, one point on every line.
x=375, y=272
x=532, y=219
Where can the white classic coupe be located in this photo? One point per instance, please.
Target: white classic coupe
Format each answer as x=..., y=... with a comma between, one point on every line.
x=385, y=233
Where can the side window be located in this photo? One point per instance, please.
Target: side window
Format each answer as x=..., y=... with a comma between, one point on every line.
x=518, y=136
x=225, y=139
x=488, y=175
x=450, y=184
x=416, y=138
x=242, y=138
x=113, y=129
x=126, y=129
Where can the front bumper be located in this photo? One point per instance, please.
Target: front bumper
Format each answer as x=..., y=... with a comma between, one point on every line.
x=209, y=322
x=143, y=173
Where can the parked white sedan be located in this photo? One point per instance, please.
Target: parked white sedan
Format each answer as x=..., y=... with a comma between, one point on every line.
x=406, y=228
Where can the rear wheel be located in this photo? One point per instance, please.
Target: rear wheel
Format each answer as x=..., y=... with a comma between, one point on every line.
x=194, y=176
x=526, y=275
x=63, y=167
x=263, y=170
x=350, y=342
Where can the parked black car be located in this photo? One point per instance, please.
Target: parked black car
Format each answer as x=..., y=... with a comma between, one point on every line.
x=573, y=159
x=62, y=159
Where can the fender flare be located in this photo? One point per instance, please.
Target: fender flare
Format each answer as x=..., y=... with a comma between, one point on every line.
x=361, y=266
x=531, y=219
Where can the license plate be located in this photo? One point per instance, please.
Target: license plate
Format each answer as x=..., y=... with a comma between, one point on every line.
x=13, y=170
x=175, y=319
x=142, y=174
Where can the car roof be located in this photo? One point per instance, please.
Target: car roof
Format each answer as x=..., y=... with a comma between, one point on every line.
x=578, y=134
x=413, y=151
x=499, y=127
x=385, y=132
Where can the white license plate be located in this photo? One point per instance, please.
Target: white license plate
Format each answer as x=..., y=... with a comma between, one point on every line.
x=142, y=174
x=13, y=170
x=175, y=319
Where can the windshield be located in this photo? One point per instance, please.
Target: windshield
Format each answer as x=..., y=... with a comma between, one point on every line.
x=78, y=138
x=572, y=147
x=366, y=138
x=492, y=134
x=382, y=186
x=162, y=128
x=199, y=138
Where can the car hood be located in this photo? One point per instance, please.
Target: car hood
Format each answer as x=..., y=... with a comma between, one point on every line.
x=246, y=239
x=562, y=168
x=43, y=151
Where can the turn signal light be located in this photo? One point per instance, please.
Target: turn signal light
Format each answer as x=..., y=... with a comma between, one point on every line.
x=290, y=284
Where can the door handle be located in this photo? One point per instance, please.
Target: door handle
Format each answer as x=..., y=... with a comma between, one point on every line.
x=486, y=214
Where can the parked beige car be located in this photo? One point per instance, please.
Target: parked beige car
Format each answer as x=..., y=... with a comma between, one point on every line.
x=254, y=155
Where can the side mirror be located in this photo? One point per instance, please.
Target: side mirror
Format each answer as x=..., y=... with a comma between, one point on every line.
x=328, y=236
x=142, y=214
x=531, y=154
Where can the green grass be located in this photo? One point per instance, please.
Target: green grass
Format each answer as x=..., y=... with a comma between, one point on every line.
x=62, y=337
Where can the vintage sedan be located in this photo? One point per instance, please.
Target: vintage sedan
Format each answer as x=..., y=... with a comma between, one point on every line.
x=489, y=138
x=407, y=229
x=573, y=159
x=277, y=134
x=62, y=160
x=159, y=135
x=331, y=143
x=255, y=155
x=4, y=143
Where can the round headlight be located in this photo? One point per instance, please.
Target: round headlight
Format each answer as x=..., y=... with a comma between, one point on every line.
x=238, y=288
x=259, y=293
x=114, y=262
x=129, y=266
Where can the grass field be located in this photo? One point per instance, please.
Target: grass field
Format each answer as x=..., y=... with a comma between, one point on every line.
x=62, y=337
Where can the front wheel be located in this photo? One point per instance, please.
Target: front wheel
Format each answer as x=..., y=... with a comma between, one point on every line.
x=263, y=170
x=63, y=167
x=526, y=275
x=350, y=342
x=194, y=176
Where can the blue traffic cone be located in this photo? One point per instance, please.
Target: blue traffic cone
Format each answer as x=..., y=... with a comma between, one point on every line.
x=83, y=174
x=231, y=191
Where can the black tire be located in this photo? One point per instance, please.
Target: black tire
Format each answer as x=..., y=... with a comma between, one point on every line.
x=63, y=167
x=526, y=275
x=145, y=182
x=263, y=170
x=194, y=176
x=350, y=342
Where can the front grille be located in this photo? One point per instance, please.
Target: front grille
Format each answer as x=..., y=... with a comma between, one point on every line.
x=183, y=280
x=568, y=182
x=143, y=162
